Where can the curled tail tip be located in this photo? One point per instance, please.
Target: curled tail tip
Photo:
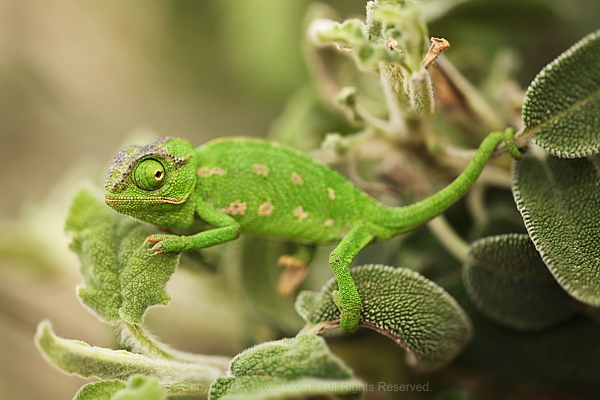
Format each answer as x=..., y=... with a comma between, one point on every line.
x=511, y=147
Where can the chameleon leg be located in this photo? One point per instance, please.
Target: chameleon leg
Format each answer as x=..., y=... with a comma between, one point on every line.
x=227, y=229
x=174, y=243
x=296, y=268
x=347, y=298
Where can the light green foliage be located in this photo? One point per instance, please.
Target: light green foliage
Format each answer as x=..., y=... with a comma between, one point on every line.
x=138, y=387
x=141, y=388
x=508, y=281
x=104, y=390
x=400, y=21
x=350, y=35
x=415, y=312
x=79, y=358
x=138, y=340
x=287, y=368
x=559, y=201
x=121, y=278
x=369, y=42
x=392, y=42
x=562, y=104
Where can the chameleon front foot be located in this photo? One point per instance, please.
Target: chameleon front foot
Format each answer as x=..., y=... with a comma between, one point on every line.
x=350, y=311
x=166, y=244
x=293, y=275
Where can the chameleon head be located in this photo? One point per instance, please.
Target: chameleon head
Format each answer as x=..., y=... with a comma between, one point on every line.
x=153, y=183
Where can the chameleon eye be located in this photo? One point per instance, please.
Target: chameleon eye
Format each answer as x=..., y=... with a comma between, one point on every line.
x=149, y=175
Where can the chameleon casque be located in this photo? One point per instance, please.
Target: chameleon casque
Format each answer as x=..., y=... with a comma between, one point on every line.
x=249, y=186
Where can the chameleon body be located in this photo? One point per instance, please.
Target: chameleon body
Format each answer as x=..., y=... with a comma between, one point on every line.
x=249, y=186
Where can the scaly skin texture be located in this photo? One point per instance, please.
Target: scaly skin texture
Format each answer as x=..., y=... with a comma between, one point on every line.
x=242, y=185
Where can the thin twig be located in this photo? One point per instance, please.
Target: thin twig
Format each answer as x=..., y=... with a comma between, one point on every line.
x=448, y=237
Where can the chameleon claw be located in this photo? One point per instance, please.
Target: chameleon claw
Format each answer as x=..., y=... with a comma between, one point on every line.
x=153, y=251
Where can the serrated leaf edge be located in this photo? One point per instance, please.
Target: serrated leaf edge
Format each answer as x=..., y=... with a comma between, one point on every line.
x=413, y=358
x=476, y=299
x=534, y=85
x=535, y=239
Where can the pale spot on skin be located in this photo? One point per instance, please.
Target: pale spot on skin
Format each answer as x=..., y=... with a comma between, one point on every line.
x=300, y=213
x=265, y=209
x=331, y=193
x=260, y=169
x=328, y=222
x=235, y=208
x=208, y=171
x=296, y=179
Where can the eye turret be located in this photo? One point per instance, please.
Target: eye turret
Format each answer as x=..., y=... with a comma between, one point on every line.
x=149, y=174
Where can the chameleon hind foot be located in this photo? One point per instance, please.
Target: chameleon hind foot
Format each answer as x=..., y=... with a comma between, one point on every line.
x=293, y=276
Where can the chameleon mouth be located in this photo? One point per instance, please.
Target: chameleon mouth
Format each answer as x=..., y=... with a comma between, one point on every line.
x=110, y=200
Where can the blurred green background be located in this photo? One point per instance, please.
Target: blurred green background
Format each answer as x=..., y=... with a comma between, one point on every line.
x=78, y=77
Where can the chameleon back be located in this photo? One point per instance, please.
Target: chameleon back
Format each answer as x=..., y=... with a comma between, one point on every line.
x=273, y=190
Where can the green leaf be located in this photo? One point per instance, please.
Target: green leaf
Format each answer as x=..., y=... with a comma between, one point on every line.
x=99, y=390
x=138, y=387
x=562, y=103
x=508, y=281
x=399, y=303
x=138, y=340
x=141, y=388
x=79, y=358
x=287, y=368
x=560, y=204
x=121, y=278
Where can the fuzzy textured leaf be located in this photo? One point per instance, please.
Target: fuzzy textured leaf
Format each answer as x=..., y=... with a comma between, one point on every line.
x=508, y=281
x=79, y=358
x=399, y=303
x=99, y=390
x=138, y=387
x=562, y=104
x=121, y=278
x=560, y=204
x=349, y=35
x=141, y=388
x=287, y=368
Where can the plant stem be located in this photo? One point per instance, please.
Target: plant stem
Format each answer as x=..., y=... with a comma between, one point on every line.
x=448, y=237
x=395, y=98
x=141, y=342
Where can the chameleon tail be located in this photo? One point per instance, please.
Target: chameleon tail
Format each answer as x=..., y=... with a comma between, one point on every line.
x=414, y=215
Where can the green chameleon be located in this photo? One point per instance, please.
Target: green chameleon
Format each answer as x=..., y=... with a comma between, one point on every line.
x=242, y=185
